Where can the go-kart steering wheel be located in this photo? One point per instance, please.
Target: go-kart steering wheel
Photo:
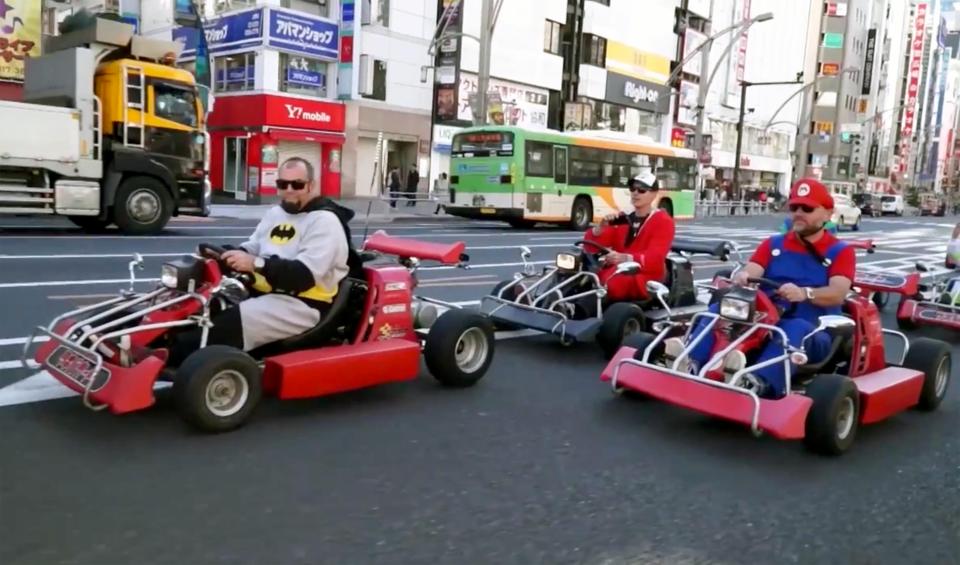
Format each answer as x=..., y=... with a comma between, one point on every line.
x=782, y=309
x=216, y=252
x=765, y=282
x=592, y=260
x=603, y=250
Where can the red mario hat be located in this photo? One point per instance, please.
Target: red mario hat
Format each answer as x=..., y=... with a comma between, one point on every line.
x=811, y=192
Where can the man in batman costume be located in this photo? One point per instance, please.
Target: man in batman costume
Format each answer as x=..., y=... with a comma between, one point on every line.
x=298, y=254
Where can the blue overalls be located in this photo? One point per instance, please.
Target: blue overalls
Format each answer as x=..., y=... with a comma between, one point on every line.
x=803, y=270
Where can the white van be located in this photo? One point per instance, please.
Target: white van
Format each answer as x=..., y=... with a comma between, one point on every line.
x=891, y=204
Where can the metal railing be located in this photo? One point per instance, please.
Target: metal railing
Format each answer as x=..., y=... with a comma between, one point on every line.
x=708, y=208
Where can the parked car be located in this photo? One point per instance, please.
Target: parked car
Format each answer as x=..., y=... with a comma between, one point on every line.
x=869, y=204
x=892, y=204
x=845, y=213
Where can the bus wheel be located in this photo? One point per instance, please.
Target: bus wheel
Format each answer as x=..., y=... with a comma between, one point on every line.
x=667, y=206
x=582, y=214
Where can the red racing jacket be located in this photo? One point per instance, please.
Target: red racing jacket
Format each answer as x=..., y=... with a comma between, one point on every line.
x=649, y=246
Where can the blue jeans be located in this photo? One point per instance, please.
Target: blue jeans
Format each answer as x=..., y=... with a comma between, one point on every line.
x=818, y=347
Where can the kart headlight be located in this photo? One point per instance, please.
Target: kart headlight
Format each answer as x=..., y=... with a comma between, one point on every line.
x=735, y=309
x=169, y=277
x=184, y=274
x=566, y=262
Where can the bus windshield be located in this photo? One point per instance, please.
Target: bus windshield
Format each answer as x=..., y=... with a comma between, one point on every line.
x=483, y=144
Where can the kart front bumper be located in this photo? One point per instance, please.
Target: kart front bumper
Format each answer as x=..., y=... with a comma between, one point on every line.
x=102, y=384
x=784, y=418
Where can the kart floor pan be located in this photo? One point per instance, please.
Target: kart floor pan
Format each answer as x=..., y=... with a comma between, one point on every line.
x=509, y=314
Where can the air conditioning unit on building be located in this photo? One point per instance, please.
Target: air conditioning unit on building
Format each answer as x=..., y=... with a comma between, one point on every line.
x=366, y=75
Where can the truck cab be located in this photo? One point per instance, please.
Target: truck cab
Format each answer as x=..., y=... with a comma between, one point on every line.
x=117, y=133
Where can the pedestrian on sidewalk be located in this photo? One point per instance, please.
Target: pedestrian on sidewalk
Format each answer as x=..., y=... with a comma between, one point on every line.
x=413, y=181
x=441, y=190
x=394, y=186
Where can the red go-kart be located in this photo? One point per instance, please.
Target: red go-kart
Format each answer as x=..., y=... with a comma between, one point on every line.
x=114, y=352
x=936, y=303
x=826, y=401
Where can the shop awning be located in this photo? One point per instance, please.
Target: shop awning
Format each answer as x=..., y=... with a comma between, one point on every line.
x=301, y=135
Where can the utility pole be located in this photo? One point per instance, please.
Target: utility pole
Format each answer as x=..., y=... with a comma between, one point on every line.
x=483, y=78
x=743, y=111
x=702, y=108
x=736, y=159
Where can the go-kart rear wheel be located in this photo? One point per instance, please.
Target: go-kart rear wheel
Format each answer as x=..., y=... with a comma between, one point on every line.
x=217, y=388
x=932, y=357
x=834, y=417
x=459, y=348
x=620, y=320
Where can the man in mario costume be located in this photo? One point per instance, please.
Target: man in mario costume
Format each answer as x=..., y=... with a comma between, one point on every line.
x=815, y=272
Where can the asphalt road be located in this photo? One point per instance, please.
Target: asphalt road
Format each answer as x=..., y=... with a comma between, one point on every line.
x=537, y=464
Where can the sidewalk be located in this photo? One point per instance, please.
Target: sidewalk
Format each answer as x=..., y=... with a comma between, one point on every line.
x=379, y=210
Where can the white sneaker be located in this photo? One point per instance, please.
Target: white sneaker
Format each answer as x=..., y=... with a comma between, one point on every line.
x=734, y=362
x=672, y=348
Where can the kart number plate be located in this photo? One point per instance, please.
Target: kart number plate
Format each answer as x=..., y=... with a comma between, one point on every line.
x=488, y=210
x=77, y=368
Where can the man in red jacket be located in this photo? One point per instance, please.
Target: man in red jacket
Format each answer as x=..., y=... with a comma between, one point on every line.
x=645, y=236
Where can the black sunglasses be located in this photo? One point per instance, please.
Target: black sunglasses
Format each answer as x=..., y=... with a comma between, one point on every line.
x=806, y=209
x=640, y=189
x=294, y=184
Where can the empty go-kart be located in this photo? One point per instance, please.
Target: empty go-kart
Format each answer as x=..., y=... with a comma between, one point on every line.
x=567, y=299
x=936, y=303
x=113, y=353
x=826, y=402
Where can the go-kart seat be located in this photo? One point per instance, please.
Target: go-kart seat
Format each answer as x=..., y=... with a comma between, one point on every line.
x=841, y=339
x=345, y=303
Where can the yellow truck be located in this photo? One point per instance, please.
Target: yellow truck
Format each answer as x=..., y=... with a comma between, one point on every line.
x=109, y=131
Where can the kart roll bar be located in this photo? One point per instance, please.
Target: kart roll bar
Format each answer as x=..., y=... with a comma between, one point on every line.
x=720, y=250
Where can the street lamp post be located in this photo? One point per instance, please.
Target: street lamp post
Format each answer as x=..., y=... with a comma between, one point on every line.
x=704, y=50
x=743, y=109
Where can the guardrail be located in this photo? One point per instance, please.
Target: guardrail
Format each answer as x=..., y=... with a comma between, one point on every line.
x=708, y=208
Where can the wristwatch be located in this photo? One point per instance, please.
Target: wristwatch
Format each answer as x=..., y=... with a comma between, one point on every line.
x=259, y=263
x=809, y=292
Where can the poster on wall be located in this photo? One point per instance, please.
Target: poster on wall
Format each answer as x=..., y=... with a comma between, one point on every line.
x=687, y=112
x=19, y=36
x=521, y=105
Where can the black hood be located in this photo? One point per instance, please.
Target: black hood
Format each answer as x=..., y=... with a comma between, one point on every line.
x=323, y=203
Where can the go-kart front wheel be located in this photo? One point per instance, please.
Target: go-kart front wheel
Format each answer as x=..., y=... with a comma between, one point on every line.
x=459, y=348
x=834, y=417
x=217, y=388
x=931, y=357
x=620, y=320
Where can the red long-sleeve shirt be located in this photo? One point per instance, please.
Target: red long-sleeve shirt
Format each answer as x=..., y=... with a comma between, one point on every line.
x=650, y=246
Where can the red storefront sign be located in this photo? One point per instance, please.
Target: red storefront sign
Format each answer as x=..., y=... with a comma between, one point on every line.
x=273, y=110
x=346, y=49
x=913, y=79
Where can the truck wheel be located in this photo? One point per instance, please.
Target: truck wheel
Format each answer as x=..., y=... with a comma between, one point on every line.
x=620, y=320
x=90, y=224
x=582, y=214
x=459, y=348
x=217, y=388
x=931, y=357
x=143, y=206
x=834, y=417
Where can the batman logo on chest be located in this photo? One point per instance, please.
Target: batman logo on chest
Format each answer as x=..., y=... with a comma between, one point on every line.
x=282, y=234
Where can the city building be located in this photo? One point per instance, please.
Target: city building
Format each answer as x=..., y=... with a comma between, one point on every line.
x=840, y=44
x=769, y=51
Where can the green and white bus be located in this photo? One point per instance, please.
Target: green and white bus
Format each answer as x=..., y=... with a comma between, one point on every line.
x=523, y=176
